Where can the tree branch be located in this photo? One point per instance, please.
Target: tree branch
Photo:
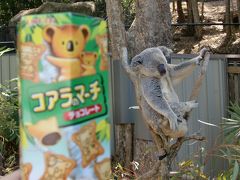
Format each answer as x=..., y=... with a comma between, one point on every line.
x=116, y=29
x=152, y=173
x=176, y=146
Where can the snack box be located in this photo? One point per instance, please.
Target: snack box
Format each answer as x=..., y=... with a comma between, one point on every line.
x=63, y=69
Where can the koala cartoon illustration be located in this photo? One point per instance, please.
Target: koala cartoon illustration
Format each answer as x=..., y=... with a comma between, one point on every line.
x=88, y=64
x=154, y=78
x=67, y=44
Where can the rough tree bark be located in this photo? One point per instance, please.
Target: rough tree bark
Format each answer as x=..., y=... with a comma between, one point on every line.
x=151, y=27
x=118, y=44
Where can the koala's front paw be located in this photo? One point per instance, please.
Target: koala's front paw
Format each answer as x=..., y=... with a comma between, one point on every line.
x=201, y=55
x=203, y=52
x=189, y=105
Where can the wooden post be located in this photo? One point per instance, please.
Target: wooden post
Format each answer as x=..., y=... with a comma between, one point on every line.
x=124, y=144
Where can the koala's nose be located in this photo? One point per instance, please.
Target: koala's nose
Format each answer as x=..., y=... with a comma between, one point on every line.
x=70, y=46
x=161, y=69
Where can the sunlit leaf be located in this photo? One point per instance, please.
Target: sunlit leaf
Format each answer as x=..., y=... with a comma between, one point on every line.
x=5, y=50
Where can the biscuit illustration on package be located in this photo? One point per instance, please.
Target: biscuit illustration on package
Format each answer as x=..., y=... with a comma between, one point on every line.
x=67, y=50
x=86, y=139
x=103, y=169
x=102, y=43
x=26, y=169
x=88, y=63
x=57, y=167
x=46, y=131
x=29, y=56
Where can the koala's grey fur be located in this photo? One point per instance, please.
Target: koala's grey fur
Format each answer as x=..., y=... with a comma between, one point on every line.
x=155, y=93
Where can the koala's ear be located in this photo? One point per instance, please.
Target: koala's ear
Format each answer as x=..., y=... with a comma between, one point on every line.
x=166, y=52
x=86, y=32
x=48, y=33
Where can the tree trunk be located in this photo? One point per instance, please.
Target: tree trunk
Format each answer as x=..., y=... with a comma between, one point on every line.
x=173, y=5
x=238, y=11
x=151, y=28
x=228, y=19
x=118, y=46
x=190, y=17
x=202, y=11
x=181, y=17
x=196, y=19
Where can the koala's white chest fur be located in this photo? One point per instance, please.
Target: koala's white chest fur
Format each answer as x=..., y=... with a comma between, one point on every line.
x=168, y=91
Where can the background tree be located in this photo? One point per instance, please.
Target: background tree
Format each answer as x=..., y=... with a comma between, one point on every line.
x=181, y=17
x=9, y=8
x=193, y=17
x=196, y=19
x=238, y=10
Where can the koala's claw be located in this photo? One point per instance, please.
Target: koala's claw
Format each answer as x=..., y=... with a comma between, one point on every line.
x=179, y=120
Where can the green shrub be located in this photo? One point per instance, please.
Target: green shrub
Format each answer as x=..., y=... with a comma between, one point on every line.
x=9, y=130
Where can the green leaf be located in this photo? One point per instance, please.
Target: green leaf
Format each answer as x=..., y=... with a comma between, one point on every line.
x=235, y=171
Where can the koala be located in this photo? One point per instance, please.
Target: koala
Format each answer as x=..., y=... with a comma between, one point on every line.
x=67, y=44
x=154, y=78
x=89, y=60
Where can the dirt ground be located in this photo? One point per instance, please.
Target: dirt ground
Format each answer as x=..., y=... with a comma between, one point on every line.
x=213, y=36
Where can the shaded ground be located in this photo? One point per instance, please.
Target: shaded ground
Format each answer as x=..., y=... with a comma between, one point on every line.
x=213, y=36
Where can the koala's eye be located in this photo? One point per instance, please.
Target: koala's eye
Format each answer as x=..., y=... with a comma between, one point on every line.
x=76, y=43
x=63, y=42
